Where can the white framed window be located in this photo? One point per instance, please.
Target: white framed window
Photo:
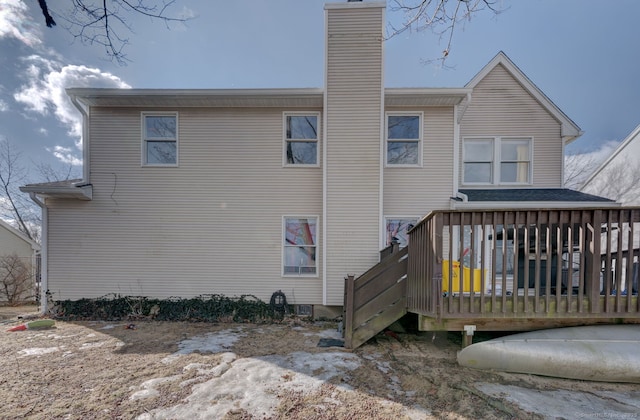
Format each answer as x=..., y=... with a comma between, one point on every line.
x=301, y=138
x=159, y=139
x=403, y=137
x=396, y=228
x=497, y=160
x=300, y=250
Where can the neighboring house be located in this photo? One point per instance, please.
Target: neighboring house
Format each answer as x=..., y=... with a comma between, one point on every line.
x=17, y=249
x=251, y=191
x=618, y=177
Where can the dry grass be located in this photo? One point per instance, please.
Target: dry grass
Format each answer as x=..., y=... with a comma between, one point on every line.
x=89, y=372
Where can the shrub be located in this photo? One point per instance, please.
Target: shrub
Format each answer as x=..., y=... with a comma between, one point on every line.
x=209, y=308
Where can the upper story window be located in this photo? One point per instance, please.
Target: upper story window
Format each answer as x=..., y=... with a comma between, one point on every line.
x=160, y=139
x=497, y=160
x=403, y=138
x=301, y=139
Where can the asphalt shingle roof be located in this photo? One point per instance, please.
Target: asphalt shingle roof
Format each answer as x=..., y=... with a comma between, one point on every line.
x=531, y=194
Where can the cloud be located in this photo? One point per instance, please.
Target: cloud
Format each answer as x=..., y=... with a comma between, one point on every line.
x=4, y=106
x=43, y=131
x=15, y=22
x=65, y=155
x=44, y=92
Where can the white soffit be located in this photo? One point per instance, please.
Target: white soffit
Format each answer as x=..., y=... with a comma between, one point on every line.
x=227, y=98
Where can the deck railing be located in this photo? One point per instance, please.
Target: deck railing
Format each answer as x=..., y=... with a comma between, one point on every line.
x=377, y=298
x=527, y=264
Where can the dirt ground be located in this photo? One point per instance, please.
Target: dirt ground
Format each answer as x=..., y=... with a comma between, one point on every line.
x=104, y=370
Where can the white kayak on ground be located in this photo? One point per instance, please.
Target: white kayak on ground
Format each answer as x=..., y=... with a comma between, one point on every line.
x=608, y=353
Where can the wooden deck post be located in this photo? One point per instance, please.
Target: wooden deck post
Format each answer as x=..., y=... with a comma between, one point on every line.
x=593, y=261
x=349, y=287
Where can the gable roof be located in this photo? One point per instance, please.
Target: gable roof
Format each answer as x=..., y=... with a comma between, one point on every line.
x=16, y=232
x=570, y=130
x=632, y=137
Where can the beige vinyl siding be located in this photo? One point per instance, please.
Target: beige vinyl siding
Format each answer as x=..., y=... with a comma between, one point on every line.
x=500, y=106
x=417, y=191
x=354, y=108
x=211, y=225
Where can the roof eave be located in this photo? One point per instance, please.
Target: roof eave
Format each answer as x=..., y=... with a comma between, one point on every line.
x=425, y=96
x=82, y=192
x=310, y=97
x=539, y=205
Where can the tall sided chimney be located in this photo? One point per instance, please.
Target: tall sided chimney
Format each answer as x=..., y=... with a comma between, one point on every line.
x=352, y=164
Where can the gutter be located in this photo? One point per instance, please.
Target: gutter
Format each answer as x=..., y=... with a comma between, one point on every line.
x=44, y=261
x=459, y=197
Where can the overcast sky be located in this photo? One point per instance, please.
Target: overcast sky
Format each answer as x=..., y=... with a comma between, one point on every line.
x=584, y=55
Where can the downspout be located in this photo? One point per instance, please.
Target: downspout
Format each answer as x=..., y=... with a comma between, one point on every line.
x=44, y=260
x=85, y=136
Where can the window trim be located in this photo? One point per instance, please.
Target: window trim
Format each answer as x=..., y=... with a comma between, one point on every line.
x=285, y=140
x=419, y=140
x=283, y=247
x=145, y=140
x=496, y=161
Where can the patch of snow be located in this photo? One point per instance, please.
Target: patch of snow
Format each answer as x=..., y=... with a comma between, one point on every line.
x=331, y=333
x=108, y=327
x=85, y=346
x=216, y=371
x=149, y=387
x=560, y=403
x=253, y=384
x=212, y=342
x=37, y=351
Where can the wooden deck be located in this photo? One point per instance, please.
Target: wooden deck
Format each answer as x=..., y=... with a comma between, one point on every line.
x=505, y=271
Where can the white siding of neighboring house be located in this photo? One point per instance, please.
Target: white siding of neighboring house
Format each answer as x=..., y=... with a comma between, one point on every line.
x=618, y=169
x=14, y=242
x=417, y=191
x=213, y=225
x=354, y=110
x=500, y=106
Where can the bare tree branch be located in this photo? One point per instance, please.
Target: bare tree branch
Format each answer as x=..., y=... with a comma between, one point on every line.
x=439, y=16
x=620, y=181
x=577, y=168
x=104, y=22
x=50, y=174
x=48, y=20
x=15, y=205
x=16, y=280
x=11, y=176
